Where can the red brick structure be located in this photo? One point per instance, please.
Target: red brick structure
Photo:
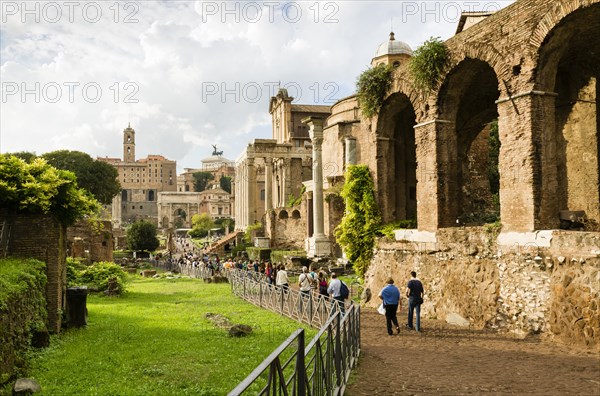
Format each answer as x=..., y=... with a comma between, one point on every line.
x=44, y=238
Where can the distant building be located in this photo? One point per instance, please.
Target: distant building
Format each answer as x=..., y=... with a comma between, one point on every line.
x=269, y=173
x=141, y=181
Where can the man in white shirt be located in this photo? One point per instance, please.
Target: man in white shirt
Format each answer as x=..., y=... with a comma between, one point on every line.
x=304, y=281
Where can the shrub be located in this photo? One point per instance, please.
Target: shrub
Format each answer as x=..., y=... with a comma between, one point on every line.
x=427, y=63
x=371, y=87
x=95, y=276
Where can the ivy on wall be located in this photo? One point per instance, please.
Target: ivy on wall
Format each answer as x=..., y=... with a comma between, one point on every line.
x=427, y=63
x=357, y=232
x=371, y=87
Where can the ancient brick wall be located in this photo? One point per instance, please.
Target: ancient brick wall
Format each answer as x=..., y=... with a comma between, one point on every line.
x=90, y=243
x=44, y=238
x=287, y=227
x=520, y=289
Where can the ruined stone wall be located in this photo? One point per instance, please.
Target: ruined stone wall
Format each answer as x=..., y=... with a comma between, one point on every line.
x=99, y=243
x=287, y=227
x=522, y=289
x=42, y=237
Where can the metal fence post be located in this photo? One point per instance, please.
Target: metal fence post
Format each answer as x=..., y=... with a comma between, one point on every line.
x=260, y=294
x=338, y=351
x=300, y=369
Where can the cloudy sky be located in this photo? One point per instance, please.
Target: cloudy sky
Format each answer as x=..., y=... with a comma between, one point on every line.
x=187, y=74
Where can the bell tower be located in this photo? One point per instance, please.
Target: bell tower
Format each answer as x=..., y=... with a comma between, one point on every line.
x=129, y=144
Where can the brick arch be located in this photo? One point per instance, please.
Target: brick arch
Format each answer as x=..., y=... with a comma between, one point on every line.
x=553, y=17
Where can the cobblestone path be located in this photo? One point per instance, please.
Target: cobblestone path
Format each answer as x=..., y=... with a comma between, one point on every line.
x=447, y=360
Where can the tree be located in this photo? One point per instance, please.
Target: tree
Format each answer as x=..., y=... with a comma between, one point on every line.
x=357, y=231
x=39, y=188
x=27, y=156
x=141, y=235
x=201, y=224
x=99, y=178
x=201, y=180
x=225, y=183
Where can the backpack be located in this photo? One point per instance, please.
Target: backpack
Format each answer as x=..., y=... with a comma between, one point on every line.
x=344, y=292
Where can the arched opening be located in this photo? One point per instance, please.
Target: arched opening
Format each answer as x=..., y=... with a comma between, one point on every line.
x=470, y=144
x=124, y=195
x=296, y=214
x=181, y=213
x=150, y=195
x=569, y=66
x=283, y=215
x=397, y=172
x=165, y=222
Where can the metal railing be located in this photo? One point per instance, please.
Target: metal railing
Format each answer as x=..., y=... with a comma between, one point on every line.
x=325, y=365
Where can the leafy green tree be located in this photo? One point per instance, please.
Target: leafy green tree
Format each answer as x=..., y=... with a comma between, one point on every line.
x=99, y=178
x=201, y=224
x=39, y=188
x=201, y=180
x=361, y=222
x=26, y=156
x=141, y=235
x=225, y=183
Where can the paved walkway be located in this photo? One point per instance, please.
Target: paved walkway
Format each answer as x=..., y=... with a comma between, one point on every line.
x=446, y=360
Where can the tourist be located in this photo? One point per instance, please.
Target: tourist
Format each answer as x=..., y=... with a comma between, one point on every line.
x=282, y=278
x=268, y=273
x=335, y=291
x=322, y=277
x=390, y=295
x=414, y=292
x=313, y=278
x=304, y=281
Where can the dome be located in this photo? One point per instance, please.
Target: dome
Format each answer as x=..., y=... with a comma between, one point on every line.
x=393, y=47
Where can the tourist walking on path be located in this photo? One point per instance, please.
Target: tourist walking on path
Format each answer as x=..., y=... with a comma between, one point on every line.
x=414, y=292
x=390, y=295
x=282, y=278
x=335, y=291
x=304, y=281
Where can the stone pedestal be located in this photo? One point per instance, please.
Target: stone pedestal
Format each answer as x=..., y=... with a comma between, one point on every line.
x=318, y=246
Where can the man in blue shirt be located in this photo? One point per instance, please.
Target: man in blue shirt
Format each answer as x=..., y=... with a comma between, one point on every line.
x=391, y=301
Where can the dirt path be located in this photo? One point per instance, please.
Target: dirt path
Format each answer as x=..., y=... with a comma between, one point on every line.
x=446, y=360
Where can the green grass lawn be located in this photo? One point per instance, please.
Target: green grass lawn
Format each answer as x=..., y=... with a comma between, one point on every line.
x=155, y=340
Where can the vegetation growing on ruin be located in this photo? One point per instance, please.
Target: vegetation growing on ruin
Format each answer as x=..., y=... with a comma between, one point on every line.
x=493, y=156
x=387, y=230
x=371, y=87
x=39, y=188
x=358, y=229
x=248, y=233
x=293, y=201
x=22, y=312
x=427, y=63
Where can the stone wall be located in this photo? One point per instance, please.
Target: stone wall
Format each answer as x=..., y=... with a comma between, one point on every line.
x=90, y=243
x=287, y=227
x=528, y=288
x=42, y=237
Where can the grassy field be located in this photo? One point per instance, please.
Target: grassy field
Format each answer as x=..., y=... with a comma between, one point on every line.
x=155, y=340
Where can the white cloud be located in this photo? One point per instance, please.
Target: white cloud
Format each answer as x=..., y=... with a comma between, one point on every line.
x=172, y=53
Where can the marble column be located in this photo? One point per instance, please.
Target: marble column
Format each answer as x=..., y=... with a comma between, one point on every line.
x=350, y=150
x=268, y=184
x=319, y=245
